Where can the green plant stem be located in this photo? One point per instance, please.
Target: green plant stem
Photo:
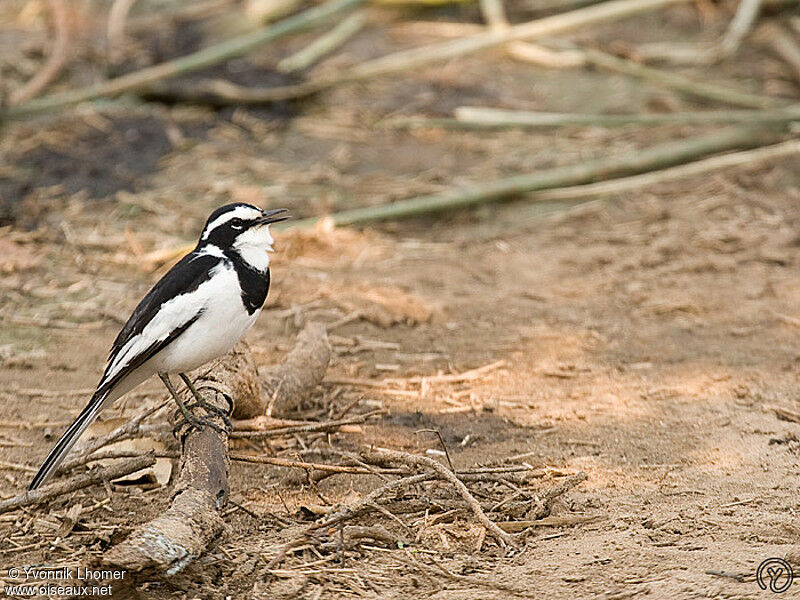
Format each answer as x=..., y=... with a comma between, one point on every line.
x=324, y=44
x=697, y=89
x=658, y=157
x=185, y=64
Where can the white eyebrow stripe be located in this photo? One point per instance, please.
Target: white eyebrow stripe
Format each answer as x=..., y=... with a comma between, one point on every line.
x=241, y=212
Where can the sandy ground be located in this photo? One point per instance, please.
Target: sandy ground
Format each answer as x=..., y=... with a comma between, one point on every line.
x=645, y=338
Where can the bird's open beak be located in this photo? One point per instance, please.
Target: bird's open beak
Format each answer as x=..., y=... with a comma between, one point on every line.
x=272, y=216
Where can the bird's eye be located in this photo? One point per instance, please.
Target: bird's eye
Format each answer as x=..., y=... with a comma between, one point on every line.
x=236, y=223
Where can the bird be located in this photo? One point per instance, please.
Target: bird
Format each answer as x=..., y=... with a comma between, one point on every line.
x=194, y=314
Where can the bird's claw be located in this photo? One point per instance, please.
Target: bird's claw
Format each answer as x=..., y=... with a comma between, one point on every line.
x=211, y=410
x=190, y=421
x=214, y=411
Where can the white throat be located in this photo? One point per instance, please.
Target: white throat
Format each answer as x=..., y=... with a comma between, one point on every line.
x=254, y=246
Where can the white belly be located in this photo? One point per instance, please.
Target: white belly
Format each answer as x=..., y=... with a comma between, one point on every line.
x=223, y=323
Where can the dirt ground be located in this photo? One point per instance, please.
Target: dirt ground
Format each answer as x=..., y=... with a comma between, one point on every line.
x=645, y=339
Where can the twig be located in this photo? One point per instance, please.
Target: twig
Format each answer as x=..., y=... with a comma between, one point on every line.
x=482, y=474
x=323, y=426
x=373, y=500
x=789, y=320
x=469, y=375
x=183, y=531
x=115, y=29
x=114, y=454
x=701, y=90
x=380, y=454
x=265, y=11
x=466, y=579
x=419, y=2
x=387, y=513
x=685, y=85
x=444, y=29
x=288, y=384
x=56, y=60
x=181, y=12
x=346, y=513
x=740, y=26
x=262, y=423
x=367, y=501
x=500, y=469
x=218, y=92
x=545, y=503
x=17, y=466
x=546, y=57
x=548, y=6
x=786, y=414
x=560, y=521
x=355, y=458
x=661, y=156
x=296, y=464
x=425, y=55
x=124, y=431
x=351, y=534
x=324, y=44
x=84, y=480
x=496, y=118
x=359, y=382
x=193, y=520
x=185, y=64
x=345, y=320
x=494, y=14
x=785, y=46
x=442, y=444
x=699, y=167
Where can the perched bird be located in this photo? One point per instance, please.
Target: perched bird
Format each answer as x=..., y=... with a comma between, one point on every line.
x=194, y=314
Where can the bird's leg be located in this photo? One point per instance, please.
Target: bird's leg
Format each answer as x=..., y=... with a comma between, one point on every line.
x=188, y=416
x=204, y=404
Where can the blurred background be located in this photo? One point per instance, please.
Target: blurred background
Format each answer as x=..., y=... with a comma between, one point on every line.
x=590, y=208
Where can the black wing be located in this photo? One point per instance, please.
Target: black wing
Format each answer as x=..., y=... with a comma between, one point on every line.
x=186, y=276
x=91, y=410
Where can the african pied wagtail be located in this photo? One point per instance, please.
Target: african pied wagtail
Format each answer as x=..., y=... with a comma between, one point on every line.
x=194, y=314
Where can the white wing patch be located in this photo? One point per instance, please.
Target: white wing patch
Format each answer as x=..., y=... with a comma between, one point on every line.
x=210, y=250
x=170, y=316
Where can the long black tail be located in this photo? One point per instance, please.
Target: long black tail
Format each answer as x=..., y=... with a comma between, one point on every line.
x=71, y=435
